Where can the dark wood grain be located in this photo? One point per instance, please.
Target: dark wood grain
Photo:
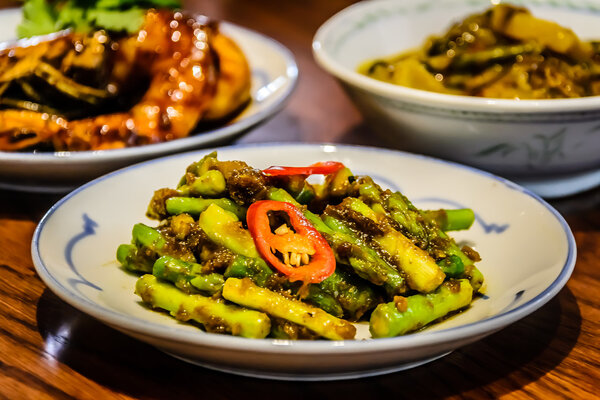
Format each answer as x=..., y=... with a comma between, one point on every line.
x=49, y=350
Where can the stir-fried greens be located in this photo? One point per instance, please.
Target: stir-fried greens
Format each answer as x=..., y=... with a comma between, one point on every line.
x=504, y=52
x=269, y=254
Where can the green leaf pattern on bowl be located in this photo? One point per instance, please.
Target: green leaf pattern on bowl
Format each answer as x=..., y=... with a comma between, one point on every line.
x=541, y=149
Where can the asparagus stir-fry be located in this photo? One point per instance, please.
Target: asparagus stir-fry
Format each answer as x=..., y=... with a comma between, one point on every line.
x=267, y=254
x=504, y=52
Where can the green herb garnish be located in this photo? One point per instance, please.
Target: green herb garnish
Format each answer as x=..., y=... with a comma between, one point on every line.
x=41, y=17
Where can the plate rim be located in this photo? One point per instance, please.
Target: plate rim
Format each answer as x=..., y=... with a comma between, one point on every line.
x=278, y=346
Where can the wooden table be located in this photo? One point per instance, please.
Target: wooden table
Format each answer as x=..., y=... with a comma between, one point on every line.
x=50, y=350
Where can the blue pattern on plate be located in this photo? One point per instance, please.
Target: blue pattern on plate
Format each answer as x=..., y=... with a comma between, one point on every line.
x=518, y=296
x=88, y=230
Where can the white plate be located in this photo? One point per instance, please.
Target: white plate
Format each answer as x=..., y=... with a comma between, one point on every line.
x=528, y=254
x=274, y=75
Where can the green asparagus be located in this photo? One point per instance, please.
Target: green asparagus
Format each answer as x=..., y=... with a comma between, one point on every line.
x=406, y=314
x=148, y=244
x=195, y=206
x=134, y=259
x=210, y=184
x=420, y=228
x=244, y=292
x=223, y=227
x=451, y=220
x=214, y=314
x=188, y=277
x=363, y=259
x=422, y=273
x=395, y=262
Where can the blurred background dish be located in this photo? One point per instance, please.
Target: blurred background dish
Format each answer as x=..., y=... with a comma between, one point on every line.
x=549, y=145
x=274, y=73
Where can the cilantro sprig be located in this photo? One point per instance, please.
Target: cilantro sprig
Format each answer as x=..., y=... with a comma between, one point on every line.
x=41, y=17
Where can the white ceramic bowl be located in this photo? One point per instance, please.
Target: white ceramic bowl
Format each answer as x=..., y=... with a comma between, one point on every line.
x=528, y=139
x=274, y=74
x=75, y=243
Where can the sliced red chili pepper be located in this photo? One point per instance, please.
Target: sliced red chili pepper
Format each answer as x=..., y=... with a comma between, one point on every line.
x=305, y=244
x=319, y=168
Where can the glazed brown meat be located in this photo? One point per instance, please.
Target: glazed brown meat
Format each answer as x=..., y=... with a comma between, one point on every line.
x=150, y=87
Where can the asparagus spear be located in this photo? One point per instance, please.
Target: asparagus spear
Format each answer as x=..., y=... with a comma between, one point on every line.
x=407, y=314
x=187, y=276
x=451, y=220
x=470, y=61
x=195, y=205
x=246, y=293
x=198, y=168
x=452, y=266
x=318, y=297
x=335, y=187
x=296, y=186
x=214, y=314
x=422, y=273
x=354, y=295
x=224, y=228
x=243, y=184
x=257, y=270
x=248, y=267
x=209, y=184
x=339, y=295
x=283, y=329
x=363, y=259
x=134, y=259
x=145, y=237
x=417, y=226
x=439, y=240
x=148, y=244
x=148, y=237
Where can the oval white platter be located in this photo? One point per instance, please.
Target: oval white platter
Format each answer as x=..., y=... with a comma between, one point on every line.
x=527, y=248
x=274, y=75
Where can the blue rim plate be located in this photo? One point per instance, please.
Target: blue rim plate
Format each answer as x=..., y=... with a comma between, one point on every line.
x=74, y=246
